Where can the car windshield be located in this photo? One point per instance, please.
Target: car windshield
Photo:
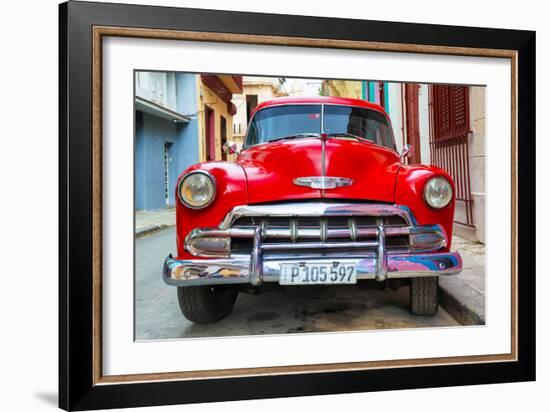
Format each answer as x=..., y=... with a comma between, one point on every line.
x=298, y=121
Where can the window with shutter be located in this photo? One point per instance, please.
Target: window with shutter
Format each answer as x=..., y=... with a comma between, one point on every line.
x=450, y=127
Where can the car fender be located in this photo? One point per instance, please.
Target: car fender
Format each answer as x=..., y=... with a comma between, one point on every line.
x=409, y=191
x=231, y=191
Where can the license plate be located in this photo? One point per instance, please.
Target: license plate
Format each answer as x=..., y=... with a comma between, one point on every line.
x=317, y=273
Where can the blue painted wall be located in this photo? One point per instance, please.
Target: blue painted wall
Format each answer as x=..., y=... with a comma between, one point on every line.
x=152, y=133
x=371, y=92
x=188, y=136
x=386, y=97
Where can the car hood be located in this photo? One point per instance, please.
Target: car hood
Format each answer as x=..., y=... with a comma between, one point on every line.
x=272, y=167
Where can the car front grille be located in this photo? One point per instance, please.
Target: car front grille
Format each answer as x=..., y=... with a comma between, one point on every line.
x=316, y=229
x=307, y=233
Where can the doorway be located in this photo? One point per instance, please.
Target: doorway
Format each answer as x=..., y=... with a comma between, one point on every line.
x=223, y=133
x=251, y=103
x=210, y=133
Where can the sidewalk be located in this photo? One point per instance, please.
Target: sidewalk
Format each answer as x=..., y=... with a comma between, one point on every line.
x=151, y=221
x=463, y=295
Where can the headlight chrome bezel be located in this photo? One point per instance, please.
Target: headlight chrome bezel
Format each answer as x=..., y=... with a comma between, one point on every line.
x=214, y=189
x=425, y=196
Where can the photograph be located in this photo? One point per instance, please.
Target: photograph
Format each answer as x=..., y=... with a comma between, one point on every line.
x=271, y=205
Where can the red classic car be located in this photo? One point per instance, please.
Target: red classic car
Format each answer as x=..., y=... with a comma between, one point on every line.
x=318, y=195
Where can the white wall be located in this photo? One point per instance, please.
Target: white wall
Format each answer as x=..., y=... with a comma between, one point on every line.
x=29, y=322
x=476, y=153
x=398, y=118
x=396, y=113
x=158, y=87
x=424, y=123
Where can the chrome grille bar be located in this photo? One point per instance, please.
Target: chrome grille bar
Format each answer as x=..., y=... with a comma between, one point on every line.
x=352, y=228
x=256, y=261
x=382, y=263
x=323, y=230
x=313, y=245
x=293, y=230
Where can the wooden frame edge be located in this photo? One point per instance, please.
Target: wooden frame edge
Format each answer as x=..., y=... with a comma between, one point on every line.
x=97, y=232
x=297, y=41
x=99, y=32
x=297, y=369
x=514, y=230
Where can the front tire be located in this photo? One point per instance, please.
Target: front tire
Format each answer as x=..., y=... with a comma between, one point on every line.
x=424, y=296
x=206, y=304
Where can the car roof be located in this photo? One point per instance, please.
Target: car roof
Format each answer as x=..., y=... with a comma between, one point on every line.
x=345, y=101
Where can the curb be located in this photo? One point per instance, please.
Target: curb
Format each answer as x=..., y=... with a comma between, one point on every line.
x=464, y=303
x=151, y=229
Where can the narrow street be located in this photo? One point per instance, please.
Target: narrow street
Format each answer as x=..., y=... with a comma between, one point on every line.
x=290, y=310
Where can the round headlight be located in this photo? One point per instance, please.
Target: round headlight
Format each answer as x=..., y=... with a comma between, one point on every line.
x=438, y=192
x=197, y=189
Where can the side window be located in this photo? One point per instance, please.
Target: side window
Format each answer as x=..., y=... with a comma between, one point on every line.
x=380, y=137
x=252, y=136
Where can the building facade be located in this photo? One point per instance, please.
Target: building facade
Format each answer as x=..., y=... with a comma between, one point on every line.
x=445, y=125
x=255, y=91
x=180, y=119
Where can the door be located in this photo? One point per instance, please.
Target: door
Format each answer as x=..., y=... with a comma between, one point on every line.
x=223, y=134
x=210, y=133
x=169, y=174
x=412, y=125
x=251, y=103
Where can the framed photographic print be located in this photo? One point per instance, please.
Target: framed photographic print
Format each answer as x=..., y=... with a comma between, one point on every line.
x=259, y=205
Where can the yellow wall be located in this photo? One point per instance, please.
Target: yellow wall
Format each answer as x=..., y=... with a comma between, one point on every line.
x=214, y=102
x=344, y=88
x=263, y=91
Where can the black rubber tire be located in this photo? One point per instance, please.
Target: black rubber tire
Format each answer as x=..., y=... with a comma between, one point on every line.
x=206, y=304
x=424, y=296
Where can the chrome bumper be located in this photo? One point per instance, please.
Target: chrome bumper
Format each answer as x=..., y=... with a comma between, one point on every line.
x=246, y=269
x=263, y=264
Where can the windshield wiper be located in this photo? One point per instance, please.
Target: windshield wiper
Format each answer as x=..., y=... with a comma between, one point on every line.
x=296, y=136
x=346, y=135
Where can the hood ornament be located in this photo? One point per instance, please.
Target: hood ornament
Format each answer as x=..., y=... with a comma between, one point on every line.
x=323, y=182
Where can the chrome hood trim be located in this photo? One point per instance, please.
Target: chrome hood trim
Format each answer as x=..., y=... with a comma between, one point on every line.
x=323, y=182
